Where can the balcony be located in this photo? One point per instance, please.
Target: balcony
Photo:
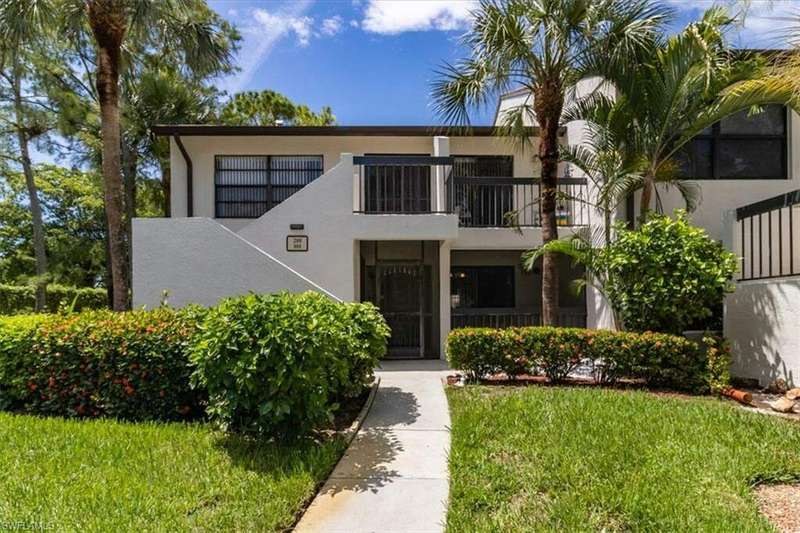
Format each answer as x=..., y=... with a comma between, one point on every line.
x=418, y=185
x=514, y=202
x=400, y=185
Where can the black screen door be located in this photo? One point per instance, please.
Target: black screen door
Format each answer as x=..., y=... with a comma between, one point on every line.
x=400, y=295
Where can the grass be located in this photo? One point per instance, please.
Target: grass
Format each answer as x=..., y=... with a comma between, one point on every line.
x=578, y=459
x=112, y=476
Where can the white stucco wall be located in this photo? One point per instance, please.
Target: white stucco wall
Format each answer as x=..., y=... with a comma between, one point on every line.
x=719, y=196
x=203, y=149
x=325, y=209
x=762, y=321
x=197, y=260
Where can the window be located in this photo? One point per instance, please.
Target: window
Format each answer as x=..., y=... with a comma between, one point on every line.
x=482, y=287
x=249, y=186
x=740, y=147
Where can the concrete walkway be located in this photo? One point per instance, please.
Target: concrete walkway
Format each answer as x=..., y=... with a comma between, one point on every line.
x=393, y=477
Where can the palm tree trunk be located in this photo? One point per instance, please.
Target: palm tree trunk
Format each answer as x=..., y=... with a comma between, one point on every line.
x=647, y=195
x=548, y=104
x=107, y=20
x=39, y=251
x=129, y=168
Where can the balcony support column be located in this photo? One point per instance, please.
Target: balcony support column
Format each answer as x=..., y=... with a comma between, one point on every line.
x=441, y=148
x=444, y=296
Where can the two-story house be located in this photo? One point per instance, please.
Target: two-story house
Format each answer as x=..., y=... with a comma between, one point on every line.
x=427, y=224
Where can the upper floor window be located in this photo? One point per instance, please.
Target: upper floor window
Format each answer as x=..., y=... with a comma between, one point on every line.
x=247, y=186
x=742, y=146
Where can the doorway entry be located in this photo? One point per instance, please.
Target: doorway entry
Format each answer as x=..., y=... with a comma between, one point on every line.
x=402, y=289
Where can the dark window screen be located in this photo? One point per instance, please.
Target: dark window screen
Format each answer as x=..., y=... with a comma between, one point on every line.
x=248, y=186
x=482, y=286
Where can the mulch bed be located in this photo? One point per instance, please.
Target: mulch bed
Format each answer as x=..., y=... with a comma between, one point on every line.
x=349, y=410
x=781, y=505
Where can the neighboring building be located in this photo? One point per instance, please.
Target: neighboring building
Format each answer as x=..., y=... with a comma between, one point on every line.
x=412, y=218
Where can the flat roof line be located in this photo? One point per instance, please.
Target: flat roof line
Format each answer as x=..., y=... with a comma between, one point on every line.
x=387, y=131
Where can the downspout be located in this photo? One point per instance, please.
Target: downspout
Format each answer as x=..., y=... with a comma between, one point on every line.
x=189, y=176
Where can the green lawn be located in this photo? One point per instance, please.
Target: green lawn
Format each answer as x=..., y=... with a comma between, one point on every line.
x=577, y=459
x=113, y=476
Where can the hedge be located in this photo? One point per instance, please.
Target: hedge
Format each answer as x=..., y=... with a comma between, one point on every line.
x=21, y=299
x=279, y=364
x=131, y=365
x=662, y=360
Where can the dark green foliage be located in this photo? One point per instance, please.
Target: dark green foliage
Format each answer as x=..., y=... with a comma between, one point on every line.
x=276, y=364
x=17, y=335
x=268, y=108
x=74, y=227
x=130, y=365
x=662, y=360
x=666, y=275
x=20, y=299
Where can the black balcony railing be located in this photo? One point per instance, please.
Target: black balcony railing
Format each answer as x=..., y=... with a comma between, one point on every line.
x=508, y=202
x=768, y=238
x=405, y=184
x=398, y=184
x=476, y=318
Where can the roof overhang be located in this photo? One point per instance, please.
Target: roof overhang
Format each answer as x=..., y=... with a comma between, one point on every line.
x=315, y=131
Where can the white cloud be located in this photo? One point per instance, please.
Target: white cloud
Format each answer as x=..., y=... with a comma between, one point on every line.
x=354, y=23
x=261, y=34
x=765, y=23
x=264, y=29
x=331, y=26
x=770, y=24
x=391, y=17
x=284, y=24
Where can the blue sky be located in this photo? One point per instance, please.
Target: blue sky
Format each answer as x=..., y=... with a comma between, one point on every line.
x=373, y=61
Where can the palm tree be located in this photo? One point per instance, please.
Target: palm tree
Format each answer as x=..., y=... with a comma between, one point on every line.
x=117, y=25
x=686, y=85
x=22, y=23
x=545, y=46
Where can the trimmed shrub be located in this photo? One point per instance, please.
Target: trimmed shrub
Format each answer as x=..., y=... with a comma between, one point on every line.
x=556, y=351
x=367, y=337
x=666, y=275
x=21, y=299
x=660, y=359
x=484, y=351
x=17, y=337
x=131, y=365
x=277, y=364
x=719, y=362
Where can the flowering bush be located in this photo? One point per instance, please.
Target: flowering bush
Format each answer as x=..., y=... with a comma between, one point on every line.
x=483, y=351
x=276, y=364
x=17, y=334
x=661, y=359
x=130, y=365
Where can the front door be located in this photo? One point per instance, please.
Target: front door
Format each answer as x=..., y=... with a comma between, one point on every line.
x=400, y=297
